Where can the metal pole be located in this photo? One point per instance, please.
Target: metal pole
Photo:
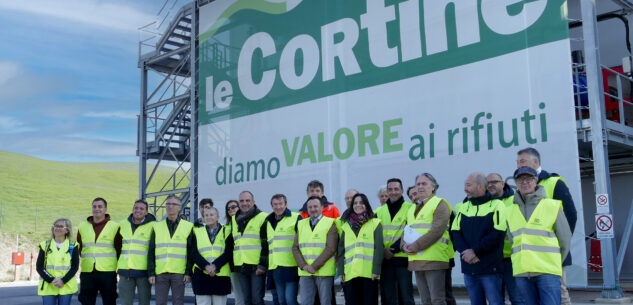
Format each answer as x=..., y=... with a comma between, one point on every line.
x=193, y=138
x=142, y=141
x=611, y=288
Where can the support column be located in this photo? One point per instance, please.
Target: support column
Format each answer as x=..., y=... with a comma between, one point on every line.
x=611, y=288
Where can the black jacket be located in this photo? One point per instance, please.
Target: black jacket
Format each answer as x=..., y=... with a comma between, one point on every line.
x=477, y=232
x=132, y=273
x=561, y=192
x=202, y=283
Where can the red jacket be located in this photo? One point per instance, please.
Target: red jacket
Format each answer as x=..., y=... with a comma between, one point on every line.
x=330, y=211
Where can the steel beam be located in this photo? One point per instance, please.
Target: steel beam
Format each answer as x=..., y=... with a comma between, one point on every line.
x=611, y=288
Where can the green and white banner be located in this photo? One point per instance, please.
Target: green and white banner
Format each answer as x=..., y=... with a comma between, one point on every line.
x=353, y=93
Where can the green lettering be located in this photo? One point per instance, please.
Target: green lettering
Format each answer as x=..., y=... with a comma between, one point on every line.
x=365, y=138
x=349, y=137
x=254, y=164
x=389, y=135
x=307, y=150
x=420, y=147
x=321, y=146
x=290, y=156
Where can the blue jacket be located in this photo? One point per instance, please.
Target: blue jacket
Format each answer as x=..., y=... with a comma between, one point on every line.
x=561, y=192
x=478, y=233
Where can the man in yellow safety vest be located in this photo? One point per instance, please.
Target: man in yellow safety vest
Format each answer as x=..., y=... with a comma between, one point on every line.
x=540, y=239
x=168, y=259
x=100, y=244
x=136, y=232
x=555, y=188
x=314, y=248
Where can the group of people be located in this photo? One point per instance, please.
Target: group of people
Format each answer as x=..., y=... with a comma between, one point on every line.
x=507, y=241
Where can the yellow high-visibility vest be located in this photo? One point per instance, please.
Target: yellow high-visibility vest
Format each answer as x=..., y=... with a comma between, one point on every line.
x=392, y=229
x=550, y=184
x=359, y=250
x=99, y=253
x=535, y=247
x=312, y=243
x=171, y=251
x=211, y=251
x=280, y=242
x=58, y=262
x=442, y=250
x=135, y=245
x=248, y=246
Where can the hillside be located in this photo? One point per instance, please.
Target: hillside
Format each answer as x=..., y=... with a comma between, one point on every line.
x=35, y=192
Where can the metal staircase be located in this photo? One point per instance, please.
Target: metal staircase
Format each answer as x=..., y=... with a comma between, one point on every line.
x=166, y=148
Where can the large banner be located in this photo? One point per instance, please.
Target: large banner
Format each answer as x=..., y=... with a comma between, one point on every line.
x=355, y=92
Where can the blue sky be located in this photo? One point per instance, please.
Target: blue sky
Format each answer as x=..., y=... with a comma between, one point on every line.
x=69, y=81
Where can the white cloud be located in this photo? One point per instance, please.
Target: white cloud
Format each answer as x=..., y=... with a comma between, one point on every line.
x=12, y=125
x=112, y=115
x=90, y=12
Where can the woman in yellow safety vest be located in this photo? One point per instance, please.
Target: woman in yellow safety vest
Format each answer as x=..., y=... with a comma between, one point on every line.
x=57, y=264
x=360, y=253
x=213, y=246
x=230, y=209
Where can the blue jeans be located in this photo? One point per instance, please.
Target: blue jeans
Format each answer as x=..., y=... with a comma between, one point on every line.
x=484, y=286
x=286, y=291
x=543, y=289
x=510, y=285
x=63, y=299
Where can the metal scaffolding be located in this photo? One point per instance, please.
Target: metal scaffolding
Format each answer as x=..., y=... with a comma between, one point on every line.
x=167, y=123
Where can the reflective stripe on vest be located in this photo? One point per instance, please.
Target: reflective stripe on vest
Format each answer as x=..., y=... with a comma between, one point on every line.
x=359, y=250
x=392, y=229
x=58, y=263
x=248, y=244
x=280, y=242
x=494, y=206
x=135, y=245
x=171, y=251
x=442, y=249
x=99, y=254
x=312, y=243
x=507, y=244
x=211, y=251
x=535, y=247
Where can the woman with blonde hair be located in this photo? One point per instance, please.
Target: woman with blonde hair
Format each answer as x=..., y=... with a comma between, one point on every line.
x=57, y=264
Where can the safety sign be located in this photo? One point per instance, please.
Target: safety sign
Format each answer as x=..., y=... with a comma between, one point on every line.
x=602, y=203
x=604, y=226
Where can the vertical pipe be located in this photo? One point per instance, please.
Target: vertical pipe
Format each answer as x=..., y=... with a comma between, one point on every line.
x=142, y=140
x=611, y=289
x=193, y=137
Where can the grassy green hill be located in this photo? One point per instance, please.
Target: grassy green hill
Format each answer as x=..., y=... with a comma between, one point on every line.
x=35, y=192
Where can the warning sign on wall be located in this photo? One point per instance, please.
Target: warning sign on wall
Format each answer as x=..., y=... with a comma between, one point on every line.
x=604, y=226
x=602, y=203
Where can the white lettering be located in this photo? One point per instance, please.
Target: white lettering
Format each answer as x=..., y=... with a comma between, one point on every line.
x=343, y=49
x=249, y=88
x=466, y=21
x=495, y=14
x=287, y=69
x=375, y=21
x=410, y=39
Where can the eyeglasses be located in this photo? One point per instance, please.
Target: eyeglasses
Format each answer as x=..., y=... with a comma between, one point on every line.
x=494, y=182
x=525, y=179
x=233, y=207
x=59, y=227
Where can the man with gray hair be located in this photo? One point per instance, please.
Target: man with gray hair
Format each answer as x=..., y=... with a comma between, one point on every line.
x=555, y=188
x=478, y=233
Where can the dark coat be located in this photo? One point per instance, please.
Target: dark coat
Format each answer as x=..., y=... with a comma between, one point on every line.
x=561, y=192
x=202, y=283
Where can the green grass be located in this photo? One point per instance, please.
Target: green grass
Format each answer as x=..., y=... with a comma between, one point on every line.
x=35, y=192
